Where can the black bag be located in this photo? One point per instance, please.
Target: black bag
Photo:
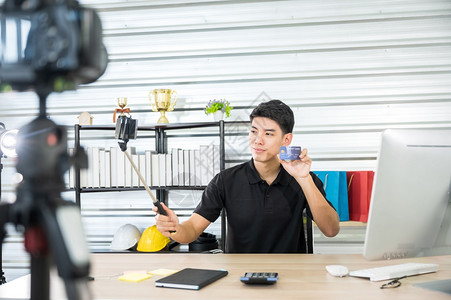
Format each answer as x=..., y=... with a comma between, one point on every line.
x=205, y=242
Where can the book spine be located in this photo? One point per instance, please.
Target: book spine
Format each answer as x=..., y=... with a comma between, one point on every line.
x=175, y=166
x=192, y=168
x=90, y=180
x=169, y=169
x=148, y=155
x=128, y=171
x=95, y=167
x=102, y=174
x=197, y=164
x=120, y=158
x=162, y=169
x=113, y=166
x=181, y=168
x=186, y=168
x=142, y=168
x=135, y=176
x=107, y=168
x=155, y=170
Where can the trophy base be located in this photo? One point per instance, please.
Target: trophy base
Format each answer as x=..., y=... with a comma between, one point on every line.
x=163, y=118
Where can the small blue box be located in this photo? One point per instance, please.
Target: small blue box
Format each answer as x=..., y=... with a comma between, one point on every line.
x=289, y=153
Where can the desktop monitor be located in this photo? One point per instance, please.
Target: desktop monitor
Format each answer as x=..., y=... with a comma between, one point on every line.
x=410, y=208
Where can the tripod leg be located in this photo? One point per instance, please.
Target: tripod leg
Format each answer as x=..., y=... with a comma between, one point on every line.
x=67, y=242
x=40, y=278
x=2, y=274
x=2, y=232
x=36, y=245
x=77, y=289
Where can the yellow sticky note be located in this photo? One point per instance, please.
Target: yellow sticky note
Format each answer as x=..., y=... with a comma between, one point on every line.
x=162, y=272
x=134, y=277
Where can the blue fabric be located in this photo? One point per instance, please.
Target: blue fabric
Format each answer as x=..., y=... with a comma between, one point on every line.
x=336, y=187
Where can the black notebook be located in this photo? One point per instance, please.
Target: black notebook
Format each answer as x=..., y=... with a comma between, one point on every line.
x=192, y=279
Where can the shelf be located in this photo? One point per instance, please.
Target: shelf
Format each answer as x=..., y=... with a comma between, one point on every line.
x=123, y=189
x=167, y=126
x=352, y=224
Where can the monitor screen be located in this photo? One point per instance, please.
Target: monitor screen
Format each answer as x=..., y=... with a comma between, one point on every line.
x=410, y=208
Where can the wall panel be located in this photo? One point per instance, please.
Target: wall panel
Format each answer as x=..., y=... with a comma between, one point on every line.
x=348, y=69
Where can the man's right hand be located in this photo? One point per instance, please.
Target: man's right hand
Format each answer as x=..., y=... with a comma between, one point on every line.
x=167, y=225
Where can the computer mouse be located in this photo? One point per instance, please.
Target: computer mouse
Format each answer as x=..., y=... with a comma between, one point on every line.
x=337, y=270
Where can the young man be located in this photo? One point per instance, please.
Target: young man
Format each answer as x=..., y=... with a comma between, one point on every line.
x=263, y=198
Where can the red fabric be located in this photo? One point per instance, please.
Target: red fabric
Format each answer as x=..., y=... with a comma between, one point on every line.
x=360, y=186
x=36, y=241
x=122, y=111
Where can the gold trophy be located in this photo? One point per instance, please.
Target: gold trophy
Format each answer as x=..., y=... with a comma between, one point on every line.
x=160, y=100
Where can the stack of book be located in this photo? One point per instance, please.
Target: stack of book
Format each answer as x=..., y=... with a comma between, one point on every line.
x=109, y=168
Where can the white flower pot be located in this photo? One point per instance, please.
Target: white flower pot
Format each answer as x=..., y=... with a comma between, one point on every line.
x=218, y=115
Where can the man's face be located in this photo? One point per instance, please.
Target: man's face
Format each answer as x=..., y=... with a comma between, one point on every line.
x=265, y=139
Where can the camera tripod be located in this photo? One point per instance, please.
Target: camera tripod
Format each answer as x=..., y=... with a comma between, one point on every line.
x=53, y=232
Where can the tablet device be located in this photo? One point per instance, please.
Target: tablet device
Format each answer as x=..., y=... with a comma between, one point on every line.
x=189, y=278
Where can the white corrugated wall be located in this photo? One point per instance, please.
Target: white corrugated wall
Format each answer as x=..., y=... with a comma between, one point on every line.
x=349, y=69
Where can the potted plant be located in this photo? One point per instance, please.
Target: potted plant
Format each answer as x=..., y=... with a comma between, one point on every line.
x=218, y=108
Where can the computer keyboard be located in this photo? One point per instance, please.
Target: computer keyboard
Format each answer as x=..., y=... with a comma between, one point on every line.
x=395, y=271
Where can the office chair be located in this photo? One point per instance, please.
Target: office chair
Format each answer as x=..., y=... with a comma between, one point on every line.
x=308, y=233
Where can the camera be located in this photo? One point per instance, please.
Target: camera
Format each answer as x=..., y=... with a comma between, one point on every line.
x=48, y=46
x=53, y=45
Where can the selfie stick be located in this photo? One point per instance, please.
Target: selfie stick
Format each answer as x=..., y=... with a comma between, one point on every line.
x=126, y=129
x=157, y=203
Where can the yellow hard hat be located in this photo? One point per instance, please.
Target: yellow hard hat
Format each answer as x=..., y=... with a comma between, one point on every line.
x=152, y=240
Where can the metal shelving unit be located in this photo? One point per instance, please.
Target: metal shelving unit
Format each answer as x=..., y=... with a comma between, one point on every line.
x=161, y=137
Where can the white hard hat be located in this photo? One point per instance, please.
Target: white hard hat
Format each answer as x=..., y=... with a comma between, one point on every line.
x=126, y=237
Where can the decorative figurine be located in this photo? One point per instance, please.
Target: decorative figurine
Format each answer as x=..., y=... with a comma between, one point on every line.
x=85, y=118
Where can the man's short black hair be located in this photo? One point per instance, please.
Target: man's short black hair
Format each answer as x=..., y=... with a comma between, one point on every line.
x=277, y=111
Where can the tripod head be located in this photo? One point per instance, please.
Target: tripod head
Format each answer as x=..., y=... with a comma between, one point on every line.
x=44, y=139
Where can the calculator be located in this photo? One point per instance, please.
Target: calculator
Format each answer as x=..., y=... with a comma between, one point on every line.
x=259, y=278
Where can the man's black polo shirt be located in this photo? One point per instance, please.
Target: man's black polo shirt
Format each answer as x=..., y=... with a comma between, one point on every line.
x=261, y=218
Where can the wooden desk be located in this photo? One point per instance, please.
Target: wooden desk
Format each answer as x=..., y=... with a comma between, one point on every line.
x=301, y=276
